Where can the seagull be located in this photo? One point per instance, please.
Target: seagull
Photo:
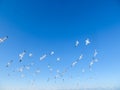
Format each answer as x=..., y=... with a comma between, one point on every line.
x=87, y=41
x=81, y=56
x=49, y=66
x=21, y=56
x=9, y=63
x=3, y=39
x=52, y=53
x=27, y=67
x=58, y=59
x=95, y=60
x=76, y=43
x=37, y=71
x=30, y=54
x=43, y=57
x=90, y=65
x=74, y=63
x=51, y=69
x=20, y=69
x=95, y=53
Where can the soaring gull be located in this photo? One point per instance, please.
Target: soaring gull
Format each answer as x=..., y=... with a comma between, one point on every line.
x=87, y=41
x=52, y=53
x=3, y=39
x=21, y=55
x=76, y=43
x=9, y=63
x=43, y=57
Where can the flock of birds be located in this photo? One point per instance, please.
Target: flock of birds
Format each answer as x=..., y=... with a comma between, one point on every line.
x=43, y=57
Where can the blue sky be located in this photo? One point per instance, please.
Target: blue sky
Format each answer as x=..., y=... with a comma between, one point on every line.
x=42, y=26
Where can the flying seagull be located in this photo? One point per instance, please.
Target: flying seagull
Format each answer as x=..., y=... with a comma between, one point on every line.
x=43, y=57
x=30, y=54
x=3, y=39
x=76, y=43
x=91, y=64
x=37, y=71
x=20, y=69
x=87, y=41
x=52, y=53
x=21, y=55
x=58, y=59
x=9, y=63
x=95, y=53
x=81, y=56
x=74, y=63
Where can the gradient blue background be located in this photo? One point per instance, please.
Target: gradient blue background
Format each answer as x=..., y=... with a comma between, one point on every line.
x=40, y=26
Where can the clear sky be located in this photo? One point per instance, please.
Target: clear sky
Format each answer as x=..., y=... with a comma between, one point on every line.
x=42, y=26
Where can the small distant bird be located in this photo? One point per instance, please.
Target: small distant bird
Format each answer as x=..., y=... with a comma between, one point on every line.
x=58, y=59
x=37, y=71
x=95, y=60
x=50, y=69
x=90, y=65
x=81, y=56
x=52, y=53
x=49, y=66
x=74, y=63
x=3, y=39
x=95, y=53
x=20, y=69
x=21, y=56
x=87, y=41
x=9, y=63
x=76, y=43
x=43, y=57
x=30, y=54
x=27, y=67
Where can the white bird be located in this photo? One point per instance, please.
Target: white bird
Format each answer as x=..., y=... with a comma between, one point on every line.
x=52, y=53
x=20, y=69
x=49, y=66
x=90, y=65
x=95, y=53
x=74, y=63
x=3, y=39
x=81, y=56
x=76, y=43
x=95, y=60
x=87, y=41
x=9, y=63
x=58, y=59
x=27, y=67
x=37, y=71
x=30, y=54
x=43, y=57
x=21, y=55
